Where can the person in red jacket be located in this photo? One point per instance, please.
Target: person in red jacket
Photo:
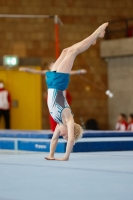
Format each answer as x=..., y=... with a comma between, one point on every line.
x=122, y=124
x=5, y=104
x=130, y=122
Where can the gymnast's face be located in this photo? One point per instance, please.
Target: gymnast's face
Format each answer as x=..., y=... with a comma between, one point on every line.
x=63, y=132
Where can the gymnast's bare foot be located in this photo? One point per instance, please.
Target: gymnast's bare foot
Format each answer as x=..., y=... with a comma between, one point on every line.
x=101, y=31
x=62, y=159
x=49, y=158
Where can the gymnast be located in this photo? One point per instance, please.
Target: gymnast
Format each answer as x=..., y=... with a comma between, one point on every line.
x=57, y=81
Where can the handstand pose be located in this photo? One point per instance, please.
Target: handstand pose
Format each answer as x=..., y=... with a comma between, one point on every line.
x=57, y=81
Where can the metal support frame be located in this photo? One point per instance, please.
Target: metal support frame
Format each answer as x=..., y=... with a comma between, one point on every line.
x=57, y=21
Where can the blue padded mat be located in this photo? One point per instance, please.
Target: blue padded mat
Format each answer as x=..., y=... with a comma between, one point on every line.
x=26, y=134
x=47, y=134
x=92, y=141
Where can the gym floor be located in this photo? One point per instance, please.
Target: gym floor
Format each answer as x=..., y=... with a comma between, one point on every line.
x=101, y=175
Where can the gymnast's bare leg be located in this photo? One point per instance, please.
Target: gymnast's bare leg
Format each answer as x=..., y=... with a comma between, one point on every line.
x=65, y=62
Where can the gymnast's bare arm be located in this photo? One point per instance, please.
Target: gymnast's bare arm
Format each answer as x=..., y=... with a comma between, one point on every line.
x=33, y=71
x=70, y=141
x=53, y=144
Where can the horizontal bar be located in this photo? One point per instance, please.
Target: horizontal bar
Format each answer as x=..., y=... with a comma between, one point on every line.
x=25, y=16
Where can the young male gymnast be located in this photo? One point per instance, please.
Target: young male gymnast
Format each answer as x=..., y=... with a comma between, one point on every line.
x=57, y=81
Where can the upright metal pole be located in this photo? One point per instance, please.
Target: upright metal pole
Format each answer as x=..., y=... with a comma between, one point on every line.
x=56, y=25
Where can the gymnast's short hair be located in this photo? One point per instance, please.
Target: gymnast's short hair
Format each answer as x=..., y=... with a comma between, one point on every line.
x=78, y=131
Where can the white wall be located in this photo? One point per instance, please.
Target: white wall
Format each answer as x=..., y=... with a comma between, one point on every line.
x=120, y=77
x=120, y=82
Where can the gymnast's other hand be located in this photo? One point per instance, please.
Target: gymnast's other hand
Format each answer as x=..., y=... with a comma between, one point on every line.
x=22, y=69
x=49, y=158
x=83, y=71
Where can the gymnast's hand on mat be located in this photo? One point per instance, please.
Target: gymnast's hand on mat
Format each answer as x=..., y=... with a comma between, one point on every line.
x=49, y=158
